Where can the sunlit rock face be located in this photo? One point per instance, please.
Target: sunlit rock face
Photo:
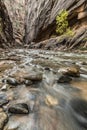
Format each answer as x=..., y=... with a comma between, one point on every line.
x=6, y=30
x=16, y=9
x=41, y=14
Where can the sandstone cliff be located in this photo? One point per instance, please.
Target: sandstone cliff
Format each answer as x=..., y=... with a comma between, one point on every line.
x=16, y=10
x=6, y=30
x=40, y=17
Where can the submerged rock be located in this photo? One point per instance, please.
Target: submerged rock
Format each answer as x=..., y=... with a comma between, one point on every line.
x=79, y=110
x=51, y=101
x=20, y=108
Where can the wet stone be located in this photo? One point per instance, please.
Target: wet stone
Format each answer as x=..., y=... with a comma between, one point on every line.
x=3, y=100
x=4, y=87
x=28, y=82
x=23, y=75
x=73, y=71
x=47, y=68
x=20, y=108
x=10, y=81
x=34, y=77
x=3, y=119
x=51, y=101
x=64, y=79
x=84, y=63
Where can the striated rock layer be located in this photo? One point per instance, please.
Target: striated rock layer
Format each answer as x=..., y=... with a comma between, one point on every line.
x=16, y=10
x=64, y=42
x=41, y=14
x=6, y=30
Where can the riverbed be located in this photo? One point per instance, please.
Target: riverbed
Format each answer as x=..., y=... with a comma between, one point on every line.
x=31, y=77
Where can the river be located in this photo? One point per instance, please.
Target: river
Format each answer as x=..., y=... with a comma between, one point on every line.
x=31, y=77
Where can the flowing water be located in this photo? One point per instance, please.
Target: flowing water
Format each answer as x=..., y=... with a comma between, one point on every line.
x=48, y=101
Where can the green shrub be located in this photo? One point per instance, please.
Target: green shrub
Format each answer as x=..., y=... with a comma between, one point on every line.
x=62, y=24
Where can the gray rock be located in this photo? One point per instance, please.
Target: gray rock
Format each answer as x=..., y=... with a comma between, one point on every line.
x=20, y=108
x=3, y=100
x=34, y=76
x=64, y=79
x=10, y=81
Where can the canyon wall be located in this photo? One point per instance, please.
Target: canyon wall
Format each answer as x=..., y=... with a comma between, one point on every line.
x=6, y=30
x=40, y=22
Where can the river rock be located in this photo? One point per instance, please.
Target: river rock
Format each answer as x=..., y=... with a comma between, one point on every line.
x=3, y=118
x=28, y=82
x=64, y=79
x=4, y=87
x=3, y=100
x=51, y=101
x=20, y=108
x=70, y=71
x=10, y=81
x=34, y=76
x=22, y=75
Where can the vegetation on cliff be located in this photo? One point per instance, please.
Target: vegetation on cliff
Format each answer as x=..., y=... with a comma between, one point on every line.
x=62, y=25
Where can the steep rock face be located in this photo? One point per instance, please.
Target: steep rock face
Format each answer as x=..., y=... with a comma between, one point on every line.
x=16, y=10
x=64, y=42
x=41, y=14
x=6, y=30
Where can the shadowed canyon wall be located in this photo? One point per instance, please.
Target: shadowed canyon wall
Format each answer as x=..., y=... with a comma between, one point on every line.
x=6, y=30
